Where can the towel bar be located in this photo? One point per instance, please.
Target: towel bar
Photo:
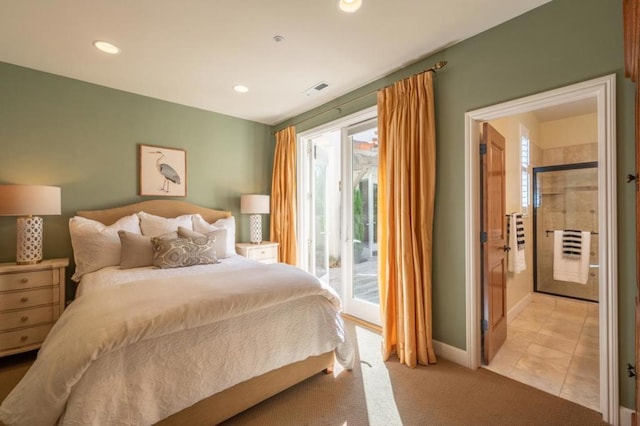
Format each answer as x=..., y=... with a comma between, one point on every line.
x=548, y=231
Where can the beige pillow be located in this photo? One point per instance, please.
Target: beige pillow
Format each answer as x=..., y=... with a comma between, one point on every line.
x=96, y=245
x=218, y=235
x=153, y=226
x=181, y=252
x=137, y=250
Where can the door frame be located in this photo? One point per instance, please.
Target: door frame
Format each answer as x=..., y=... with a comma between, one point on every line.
x=603, y=91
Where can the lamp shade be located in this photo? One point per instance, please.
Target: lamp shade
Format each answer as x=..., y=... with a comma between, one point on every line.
x=26, y=200
x=254, y=204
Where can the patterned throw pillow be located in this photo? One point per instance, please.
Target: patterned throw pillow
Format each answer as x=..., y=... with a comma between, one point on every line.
x=219, y=236
x=181, y=252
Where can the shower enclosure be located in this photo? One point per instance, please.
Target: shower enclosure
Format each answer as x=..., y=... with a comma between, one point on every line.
x=565, y=197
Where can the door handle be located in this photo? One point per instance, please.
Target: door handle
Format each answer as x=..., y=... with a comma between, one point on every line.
x=506, y=248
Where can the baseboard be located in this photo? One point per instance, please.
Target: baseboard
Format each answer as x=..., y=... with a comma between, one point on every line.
x=625, y=416
x=451, y=353
x=519, y=307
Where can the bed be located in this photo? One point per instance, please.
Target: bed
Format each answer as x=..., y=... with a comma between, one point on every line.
x=176, y=345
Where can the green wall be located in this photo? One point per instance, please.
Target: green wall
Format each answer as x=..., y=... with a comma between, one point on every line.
x=84, y=138
x=557, y=44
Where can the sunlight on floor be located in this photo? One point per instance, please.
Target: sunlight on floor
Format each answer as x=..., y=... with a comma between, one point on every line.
x=378, y=390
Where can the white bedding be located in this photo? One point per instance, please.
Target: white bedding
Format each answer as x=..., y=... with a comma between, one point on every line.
x=106, y=360
x=113, y=275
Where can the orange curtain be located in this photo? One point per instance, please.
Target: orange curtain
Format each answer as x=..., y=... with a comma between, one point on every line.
x=283, y=196
x=406, y=192
x=631, y=19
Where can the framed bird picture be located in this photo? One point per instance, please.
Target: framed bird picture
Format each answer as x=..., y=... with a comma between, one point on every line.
x=163, y=171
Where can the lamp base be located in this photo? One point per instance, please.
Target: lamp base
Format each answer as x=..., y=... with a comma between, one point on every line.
x=255, y=221
x=29, y=240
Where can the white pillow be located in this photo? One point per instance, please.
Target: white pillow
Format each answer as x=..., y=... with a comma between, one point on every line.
x=228, y=223
x=95, y=245
x=154, y=226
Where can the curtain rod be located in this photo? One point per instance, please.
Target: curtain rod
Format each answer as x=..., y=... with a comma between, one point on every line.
x=438, y=65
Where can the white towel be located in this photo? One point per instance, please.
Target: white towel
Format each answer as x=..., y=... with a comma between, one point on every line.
x=516, y=261
x=568, y=269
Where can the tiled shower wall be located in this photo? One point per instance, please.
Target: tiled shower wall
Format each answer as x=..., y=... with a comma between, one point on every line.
x=568, y=200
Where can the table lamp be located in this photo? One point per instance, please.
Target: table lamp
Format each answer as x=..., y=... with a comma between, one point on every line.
x=255, y=205
x=28, y=202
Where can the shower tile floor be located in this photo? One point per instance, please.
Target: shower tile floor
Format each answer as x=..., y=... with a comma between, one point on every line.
x=553, y=345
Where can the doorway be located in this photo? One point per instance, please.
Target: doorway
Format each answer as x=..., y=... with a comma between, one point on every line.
x=551, y=305
x=602, y=92
x=337, y=201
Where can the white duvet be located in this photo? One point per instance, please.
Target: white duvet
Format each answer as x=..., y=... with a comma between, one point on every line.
x=137, y=352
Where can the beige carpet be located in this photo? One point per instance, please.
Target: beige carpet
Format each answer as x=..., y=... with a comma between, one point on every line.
x=385, y=394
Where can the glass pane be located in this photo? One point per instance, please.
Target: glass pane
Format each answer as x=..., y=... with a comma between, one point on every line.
x=365, y=215
x=325, y=223
x=320, y=210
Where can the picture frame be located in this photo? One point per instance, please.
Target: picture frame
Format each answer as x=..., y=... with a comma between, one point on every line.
x=162, y=171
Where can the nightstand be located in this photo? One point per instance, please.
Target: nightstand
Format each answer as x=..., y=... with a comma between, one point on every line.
x=265, y=252
x=31, y=300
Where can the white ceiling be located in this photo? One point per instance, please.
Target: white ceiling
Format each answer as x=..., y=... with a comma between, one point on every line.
x=192, y=52
x=566, y=110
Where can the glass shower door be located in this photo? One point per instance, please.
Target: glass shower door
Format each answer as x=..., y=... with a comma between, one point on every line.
x=565, y=198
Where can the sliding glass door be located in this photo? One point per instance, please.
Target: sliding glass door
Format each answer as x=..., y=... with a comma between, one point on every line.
x=338, y=181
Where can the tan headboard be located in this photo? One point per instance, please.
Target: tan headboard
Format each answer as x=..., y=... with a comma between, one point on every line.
x=164, y=208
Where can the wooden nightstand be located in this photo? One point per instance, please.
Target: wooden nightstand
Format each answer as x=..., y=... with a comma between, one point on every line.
x=265, y=252
x=31, y=300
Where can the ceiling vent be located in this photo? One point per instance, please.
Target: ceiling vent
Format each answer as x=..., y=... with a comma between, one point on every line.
x=316, y=88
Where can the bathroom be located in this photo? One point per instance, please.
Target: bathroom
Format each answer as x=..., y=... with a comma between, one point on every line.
x=552, y=183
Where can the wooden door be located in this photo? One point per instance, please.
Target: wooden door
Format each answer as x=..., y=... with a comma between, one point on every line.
x=631, y=23
x=494, y=243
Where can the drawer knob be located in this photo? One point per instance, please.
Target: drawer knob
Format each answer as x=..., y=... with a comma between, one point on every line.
x=24, y=318
x=24, y=280
x=24, y=299
x=23, y=338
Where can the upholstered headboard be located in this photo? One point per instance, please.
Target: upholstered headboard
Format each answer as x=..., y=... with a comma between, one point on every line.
x=164, y=208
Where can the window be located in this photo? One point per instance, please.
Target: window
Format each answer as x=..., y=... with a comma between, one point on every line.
x=525, y=155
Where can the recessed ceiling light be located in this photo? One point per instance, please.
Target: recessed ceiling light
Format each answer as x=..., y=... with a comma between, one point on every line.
x=349, y=6
x=106, y=47
x=240, y=88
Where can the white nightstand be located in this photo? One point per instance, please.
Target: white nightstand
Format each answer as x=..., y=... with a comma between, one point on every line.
x=265, y=252
x=31, y=300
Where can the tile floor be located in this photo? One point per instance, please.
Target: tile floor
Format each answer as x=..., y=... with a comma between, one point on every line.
x=553, y=345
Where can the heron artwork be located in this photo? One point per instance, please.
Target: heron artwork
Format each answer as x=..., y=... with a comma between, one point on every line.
x=168, y=173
